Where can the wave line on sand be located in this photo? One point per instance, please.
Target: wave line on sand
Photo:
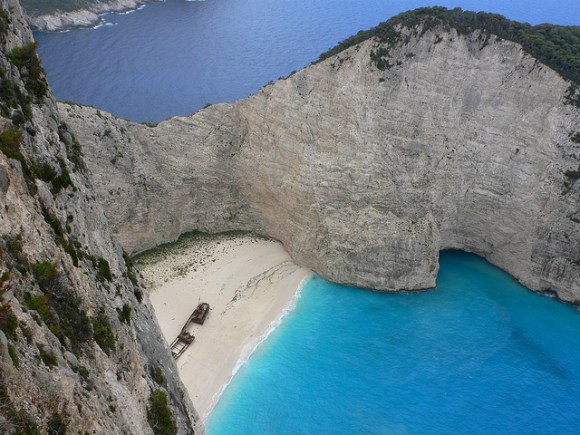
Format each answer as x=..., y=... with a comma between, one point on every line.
x=249, y=350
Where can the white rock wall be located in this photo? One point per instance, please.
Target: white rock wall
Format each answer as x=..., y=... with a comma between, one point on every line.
x=365, y=175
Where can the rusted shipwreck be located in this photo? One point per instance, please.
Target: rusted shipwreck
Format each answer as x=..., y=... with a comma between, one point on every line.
x=200, y=313
x=185, y=338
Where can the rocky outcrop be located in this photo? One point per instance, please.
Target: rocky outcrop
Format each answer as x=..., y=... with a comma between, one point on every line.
x=83, y=17
x=461, y=141
x=64, y=20
x=80, y=349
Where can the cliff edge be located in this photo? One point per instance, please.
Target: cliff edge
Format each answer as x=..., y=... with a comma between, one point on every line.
x=418, y=138
x=80, y=349
x=63, y=14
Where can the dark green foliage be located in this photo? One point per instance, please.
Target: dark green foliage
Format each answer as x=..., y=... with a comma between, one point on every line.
x=159, y=415
x=102, y=332
x=39, y=304
x=100, y=275
x=56, y=226
x=25, y=424
x=46, y=275
x=573, y=95
x=14, y=356
x=18, y=118
x=8, y=92
x=132, y=275
x=56, y=425
x=62, y=181
x=157, y=375
x=70, y=250
x=575, y=137
x=128, y=261
x=555, y=46
x=74, y=322
x=14, y=103
x=8, y=322
x=44, y=171
x=4, y=22
x=83, y=372
x=183, y=241
x=47, y=174
x=10, y=143
x=47, y=356
x=573, y=175
x=384, y=32
x=26, y=60
x=380, y=52
x=17, y=418
x=54, y=223
x=384, y=64
x=378, y=57
x=125, y=314
x=27, y=332
x=73, y=147
x=4, y=396
x=103, y=270
x=14, y=245
x=5, y=284
x=63, y=317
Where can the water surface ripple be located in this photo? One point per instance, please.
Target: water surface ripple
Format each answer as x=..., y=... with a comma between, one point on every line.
x=172, y=58
x=480, y=354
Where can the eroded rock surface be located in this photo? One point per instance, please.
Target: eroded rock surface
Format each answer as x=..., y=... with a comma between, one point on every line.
x=365, y=175
x=87, y=15
x=80, y=349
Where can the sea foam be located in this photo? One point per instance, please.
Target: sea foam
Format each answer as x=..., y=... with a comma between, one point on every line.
x=250, y=348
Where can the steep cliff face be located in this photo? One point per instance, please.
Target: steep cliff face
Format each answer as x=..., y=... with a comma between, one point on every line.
x=80, y=349
x=365, y=174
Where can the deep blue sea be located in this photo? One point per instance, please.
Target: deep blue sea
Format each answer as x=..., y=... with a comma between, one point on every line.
x=479, y=354
x=173, y=58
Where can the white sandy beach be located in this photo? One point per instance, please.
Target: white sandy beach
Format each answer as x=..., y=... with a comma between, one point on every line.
x=249, y=282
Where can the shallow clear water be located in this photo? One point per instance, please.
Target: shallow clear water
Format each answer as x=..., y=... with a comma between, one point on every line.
x=480, y=354
x=174, y=57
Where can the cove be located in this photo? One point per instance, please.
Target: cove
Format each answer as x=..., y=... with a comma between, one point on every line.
x=173, y=58
x=479, y=354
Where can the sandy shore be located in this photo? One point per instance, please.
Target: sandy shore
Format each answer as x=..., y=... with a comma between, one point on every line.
x=248, y=282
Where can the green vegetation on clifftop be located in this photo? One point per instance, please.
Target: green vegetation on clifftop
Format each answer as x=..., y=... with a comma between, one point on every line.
x=556, y=46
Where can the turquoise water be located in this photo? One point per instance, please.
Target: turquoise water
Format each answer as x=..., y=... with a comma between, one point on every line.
x=480, y=354
x=172, y=58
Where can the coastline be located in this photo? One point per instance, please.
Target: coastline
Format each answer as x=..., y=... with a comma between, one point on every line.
x=83, y=18
x=250, y=283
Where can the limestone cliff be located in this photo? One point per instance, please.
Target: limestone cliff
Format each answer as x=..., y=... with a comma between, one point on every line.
x=80, y=350
x=56, y=15
x=367, y=164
